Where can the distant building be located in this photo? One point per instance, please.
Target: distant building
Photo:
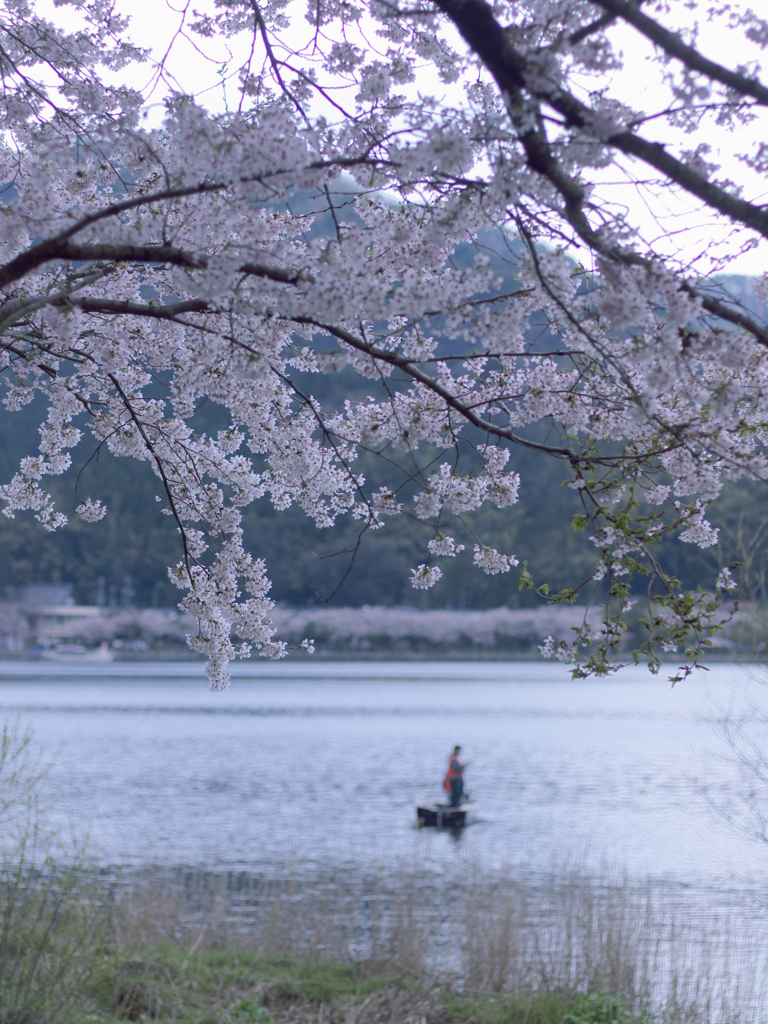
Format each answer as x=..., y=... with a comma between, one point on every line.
x=14, y=628
x=53, y=617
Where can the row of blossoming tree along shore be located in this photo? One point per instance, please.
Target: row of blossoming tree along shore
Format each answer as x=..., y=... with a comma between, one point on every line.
x=148, y=267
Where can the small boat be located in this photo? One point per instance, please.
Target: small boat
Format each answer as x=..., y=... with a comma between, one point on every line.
x=75, y=653
x=444, y=816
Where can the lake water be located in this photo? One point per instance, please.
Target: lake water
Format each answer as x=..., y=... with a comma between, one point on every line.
x=316, y=760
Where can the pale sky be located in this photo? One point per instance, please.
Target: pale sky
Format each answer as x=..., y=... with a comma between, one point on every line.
x=672, y=225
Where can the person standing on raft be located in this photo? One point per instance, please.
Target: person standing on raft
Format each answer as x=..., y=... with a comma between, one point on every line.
x=454, y=777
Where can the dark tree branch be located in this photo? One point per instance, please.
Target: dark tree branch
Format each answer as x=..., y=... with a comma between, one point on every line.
x=672, y=44
x=517, y=80
x=63, y=249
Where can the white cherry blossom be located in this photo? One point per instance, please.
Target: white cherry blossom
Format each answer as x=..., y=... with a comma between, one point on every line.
x=348, y=216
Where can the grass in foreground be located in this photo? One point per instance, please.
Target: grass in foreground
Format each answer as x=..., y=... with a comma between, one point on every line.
x=232, y=986
x=305, y=952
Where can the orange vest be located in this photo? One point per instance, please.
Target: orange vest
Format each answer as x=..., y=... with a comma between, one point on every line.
x=451, y=773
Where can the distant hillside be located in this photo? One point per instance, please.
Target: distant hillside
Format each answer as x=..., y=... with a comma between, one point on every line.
x=122, y=560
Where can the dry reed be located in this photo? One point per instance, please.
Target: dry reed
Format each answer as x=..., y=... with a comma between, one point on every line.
x=565, y=931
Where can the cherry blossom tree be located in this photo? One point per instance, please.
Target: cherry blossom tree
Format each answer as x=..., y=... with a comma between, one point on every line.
x=148, y=265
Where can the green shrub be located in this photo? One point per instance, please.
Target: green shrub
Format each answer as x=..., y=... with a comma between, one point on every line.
x=49, y=923
x=601, y=1008
x=250, y=1011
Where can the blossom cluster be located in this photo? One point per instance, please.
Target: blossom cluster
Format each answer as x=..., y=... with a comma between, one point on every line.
x=346, y=220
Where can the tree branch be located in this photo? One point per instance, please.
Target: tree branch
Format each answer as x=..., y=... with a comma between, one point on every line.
x=672, y=44
x=515, y=77
x=62, y=249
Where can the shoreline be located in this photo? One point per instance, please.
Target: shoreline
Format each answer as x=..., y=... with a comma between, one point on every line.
x=447, y=655
x=283, y=947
